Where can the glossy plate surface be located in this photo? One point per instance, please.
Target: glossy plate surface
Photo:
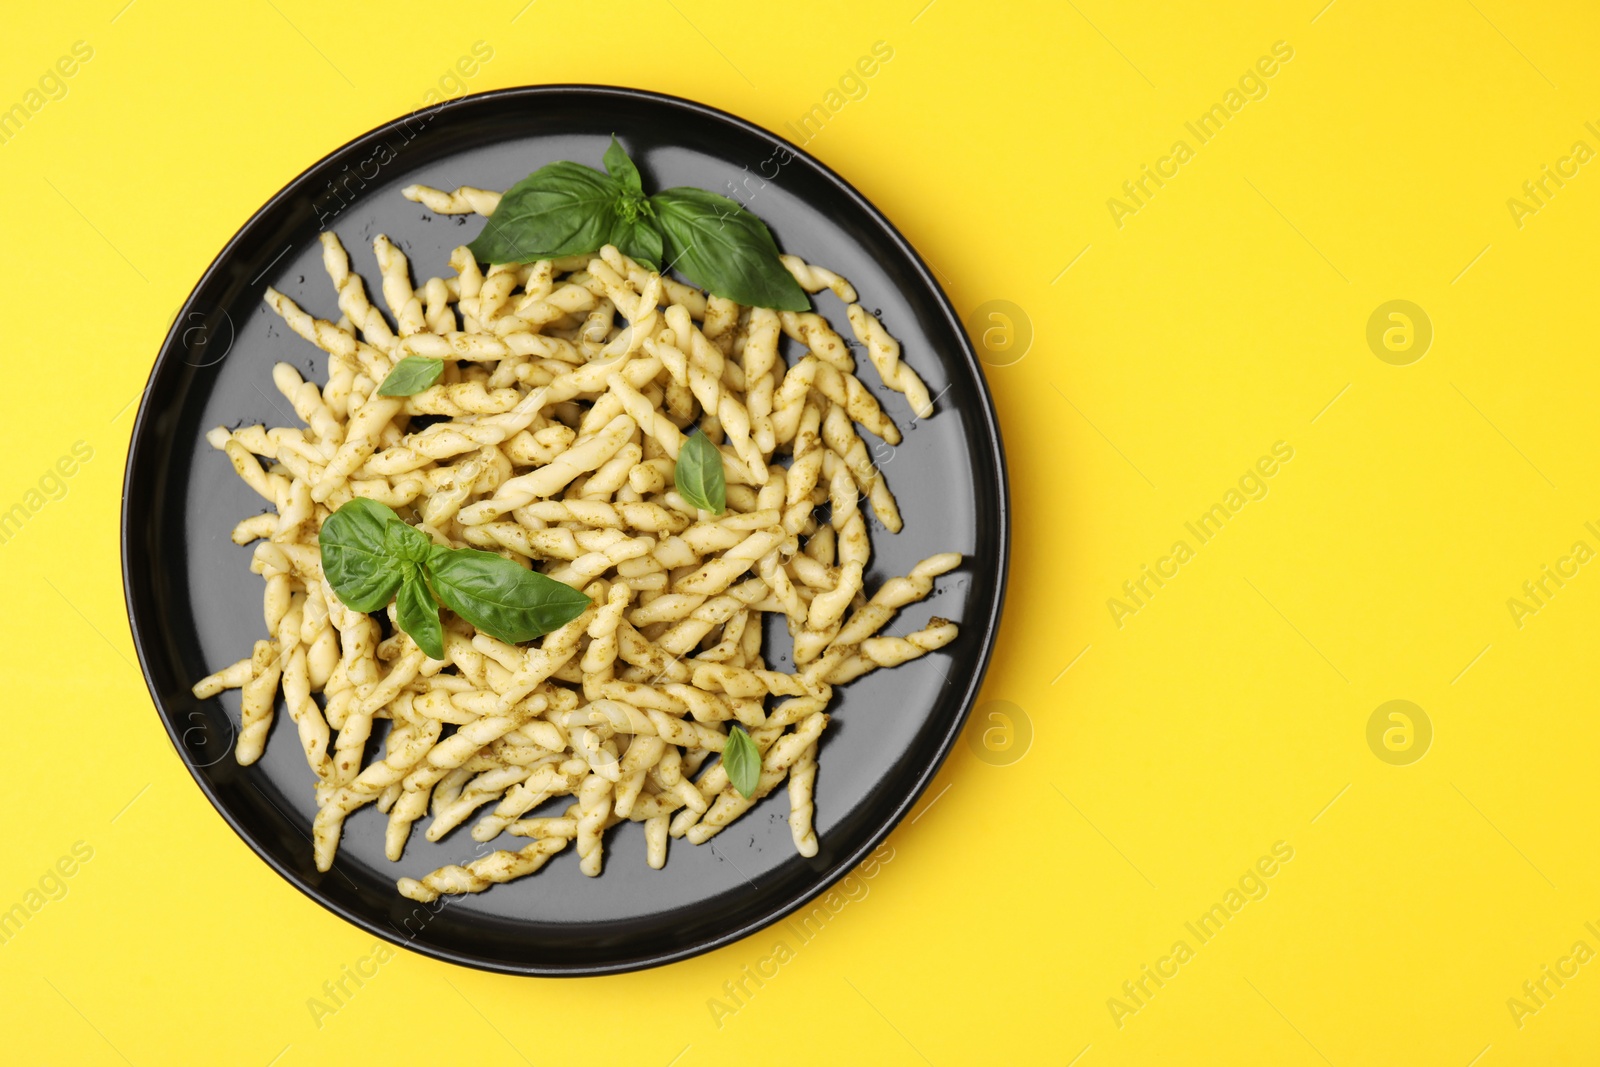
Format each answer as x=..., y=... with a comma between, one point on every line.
x=195, y=606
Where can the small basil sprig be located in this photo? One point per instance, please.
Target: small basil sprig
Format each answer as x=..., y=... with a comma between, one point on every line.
x=698, y=477
x=742, y=760
x=370, y=556
x=565, y=209
x=411, y=376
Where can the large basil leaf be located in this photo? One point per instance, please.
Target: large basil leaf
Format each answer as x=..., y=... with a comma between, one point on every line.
x=411, y=376
x=499, y=597
x=725, y=249
x=561, y=209
x=356, y=557
x=742, y=760
x=699, y=477
x=418, y=614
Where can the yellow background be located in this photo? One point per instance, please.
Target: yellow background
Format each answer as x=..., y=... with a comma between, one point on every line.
x=1228, y=714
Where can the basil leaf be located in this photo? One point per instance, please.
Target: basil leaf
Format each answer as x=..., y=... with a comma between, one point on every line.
x=620, y=167
x=561, y=209
x=742, y=761
x=698, y=477
x=638, y=239
x=404, y=541
x=725, y=249
x=411, y=376
x=499, y=597
x=418, y=613
x=355, y=554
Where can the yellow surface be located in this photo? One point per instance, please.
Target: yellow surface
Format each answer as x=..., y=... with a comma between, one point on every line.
x=1168, y=754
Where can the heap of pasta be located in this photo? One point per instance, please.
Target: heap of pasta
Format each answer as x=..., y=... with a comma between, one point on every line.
x=550, y=439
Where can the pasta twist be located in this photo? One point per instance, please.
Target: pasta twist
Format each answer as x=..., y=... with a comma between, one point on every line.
x=480, y=874
x=593, y=806
x=802, y=784
x=353, y=296
x=814, y=279
x=884, y=352
x=465, y=200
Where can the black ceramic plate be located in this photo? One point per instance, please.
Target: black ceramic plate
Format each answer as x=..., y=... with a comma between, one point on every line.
x=195, y=606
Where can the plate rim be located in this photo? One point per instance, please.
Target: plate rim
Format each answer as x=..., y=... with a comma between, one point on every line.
x=143, y=432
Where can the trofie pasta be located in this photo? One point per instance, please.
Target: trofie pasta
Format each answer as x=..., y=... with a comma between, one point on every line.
x=548, y=431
